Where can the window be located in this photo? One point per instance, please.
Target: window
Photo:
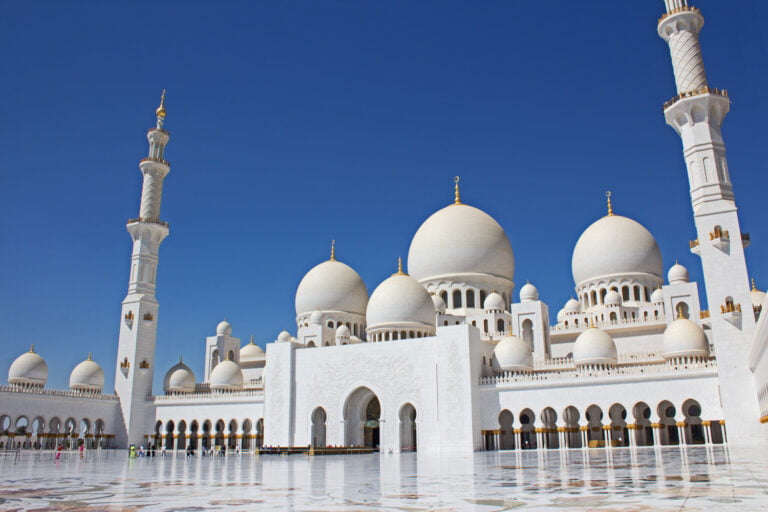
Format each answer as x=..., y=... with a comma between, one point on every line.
x=500, y=325
x=470, y=298
x=528, y=331
x=625, y=293
x=457, y=298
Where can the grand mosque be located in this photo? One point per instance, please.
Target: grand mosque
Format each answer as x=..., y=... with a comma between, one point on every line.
x=443, y=358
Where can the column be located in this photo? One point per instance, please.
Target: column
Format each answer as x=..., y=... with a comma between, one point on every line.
x=707, y=436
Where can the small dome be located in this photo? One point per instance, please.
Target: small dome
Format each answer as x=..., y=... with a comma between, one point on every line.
x=612, y=298
x=87, y=376
x=223, y=329
x=572, y=306
x=512, y=354
x=226, y=375
x=29, y=369
x=399, y=300
x=657, y=296
x=460, y=239
x=594, y=346
x=316, y=318
x=179, y=379
x=251, y=352
x=528, y=293
x=342, y=331
x=677, y=274
x=684, y=338
x=494, y=301
x=615, y=245
x=331, y=286
x=439, y=303
x=561, y=316
x=284, y=336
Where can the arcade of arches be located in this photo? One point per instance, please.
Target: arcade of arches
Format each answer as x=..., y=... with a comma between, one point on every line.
x=207, y=434
x=639, y=425
x=47, y=433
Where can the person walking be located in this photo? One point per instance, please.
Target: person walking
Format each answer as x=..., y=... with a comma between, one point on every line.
x=82, y=451
x=59, y=450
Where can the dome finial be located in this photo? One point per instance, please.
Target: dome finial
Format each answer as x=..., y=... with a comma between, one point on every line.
x=333, y=250
x=181, y=359
x=160, y=112
x=252, y=343
x=754, y=288
x=32, y=348
x=400, y=268
x=608, y=198
x=680, y=311
x=90, y=356
x=456, y=195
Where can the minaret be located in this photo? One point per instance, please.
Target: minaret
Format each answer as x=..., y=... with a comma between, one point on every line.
x=138, y=320
x=697, y=113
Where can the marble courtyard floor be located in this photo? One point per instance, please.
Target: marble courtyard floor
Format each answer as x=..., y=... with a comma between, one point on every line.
x=627, y=480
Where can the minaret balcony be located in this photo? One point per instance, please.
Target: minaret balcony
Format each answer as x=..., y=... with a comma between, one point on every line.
x=158, y=160
x=695, y=246
x=148, y=219
x=746, y=240
x=720, y=238
x=695, y=92
x=731, y=313
x=685, y=8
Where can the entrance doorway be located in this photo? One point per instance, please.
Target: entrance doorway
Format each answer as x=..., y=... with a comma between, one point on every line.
x=362, y=414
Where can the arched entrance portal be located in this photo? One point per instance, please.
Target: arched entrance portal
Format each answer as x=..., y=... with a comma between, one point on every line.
x=362, y=413
x=408, y=428
x=318, y=428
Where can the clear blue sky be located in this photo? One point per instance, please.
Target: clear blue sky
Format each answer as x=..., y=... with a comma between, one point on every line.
x=294, y=123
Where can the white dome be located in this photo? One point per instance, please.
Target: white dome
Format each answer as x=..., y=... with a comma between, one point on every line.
x=179, y=379
x=331, y=286
x=528, y=293
x=223, y=329
x=251, y=352
x=657, y=295
x=316, y=318
x=343, y=331
x=460, y=239
x=572, y=306
x=512, y=354
x=87, y=375
x=615, y=245
x=612, y=298
x=494, y=301
x=398, y=300
x=684, y=338
x=29, y=368
x=227, y=375
x=677, y=274
x=284, y=336
x=594, y=346
x=439, y=303
x=561, y=315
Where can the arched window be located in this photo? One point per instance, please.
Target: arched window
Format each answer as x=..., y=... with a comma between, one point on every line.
x=330, y=324
x=500, y=325
x=457, y=298
x=445, y=322
x=613, y=317
x=637, y=293
x=576, y=322
x=485, y=325
x=625, y=293
x=647, y=295
x=683, y=310
x=528, y=331
x=386, y=336
x=444, y=296
x=470, y=298
x=394, y=335
x=231, y=355
x=603, y=292
x=593, y=298
x=482, y=298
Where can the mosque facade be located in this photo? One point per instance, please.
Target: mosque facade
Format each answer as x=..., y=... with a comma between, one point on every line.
x=442, y=358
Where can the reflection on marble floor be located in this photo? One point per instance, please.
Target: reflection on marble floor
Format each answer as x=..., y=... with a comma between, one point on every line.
x=672, y=478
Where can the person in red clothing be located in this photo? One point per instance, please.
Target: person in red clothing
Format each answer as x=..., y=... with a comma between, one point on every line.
x=59, y=450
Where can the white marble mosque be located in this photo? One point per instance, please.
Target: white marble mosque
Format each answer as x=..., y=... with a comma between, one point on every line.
x=442, y=358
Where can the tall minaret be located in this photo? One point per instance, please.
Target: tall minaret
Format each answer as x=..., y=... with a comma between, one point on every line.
x=138, y=320
x=697, y=113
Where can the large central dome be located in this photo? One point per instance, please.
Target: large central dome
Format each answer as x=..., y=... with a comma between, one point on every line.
x=460, y=239
x=615, y=245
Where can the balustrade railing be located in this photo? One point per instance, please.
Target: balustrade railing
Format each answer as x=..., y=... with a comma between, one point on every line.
x=12, y=388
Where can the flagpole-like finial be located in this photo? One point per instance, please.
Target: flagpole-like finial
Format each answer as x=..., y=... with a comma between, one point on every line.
x=333, y=250
x=754, y=288
x=400, y=268
x=456, y=195
x=161, y=112
x=610, y=205
x=32, y=348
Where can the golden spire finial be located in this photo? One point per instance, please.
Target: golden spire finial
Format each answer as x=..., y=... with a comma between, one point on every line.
x=456, y=195
x=160, y=112
x=32, y=348
x=400, y=268
x=90, y=356
x=509, y=331
x=608, y=198
x=591, y=322
x=252, y=343
x=680, y=311
x=333, y=250
x=181, y=359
